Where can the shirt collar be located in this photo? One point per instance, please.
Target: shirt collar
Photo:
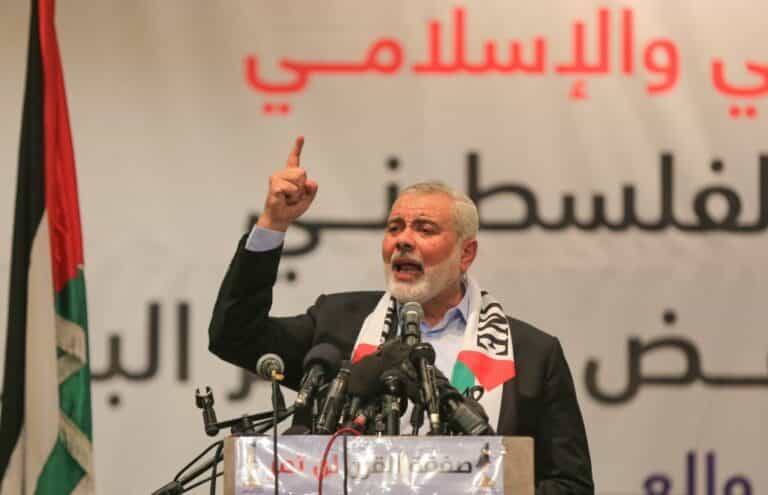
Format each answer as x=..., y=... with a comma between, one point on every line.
x=458, y=312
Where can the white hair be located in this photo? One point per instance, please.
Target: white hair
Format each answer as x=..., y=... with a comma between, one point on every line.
x=465, y=217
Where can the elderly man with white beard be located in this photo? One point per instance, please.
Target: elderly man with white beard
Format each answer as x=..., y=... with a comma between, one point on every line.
x=428, y=247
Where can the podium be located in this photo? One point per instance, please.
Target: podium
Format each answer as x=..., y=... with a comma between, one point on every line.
x=397, y=465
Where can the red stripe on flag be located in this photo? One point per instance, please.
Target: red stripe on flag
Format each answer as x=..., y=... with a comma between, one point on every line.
x=363, y=350
x=60, y=182
x=490, y=373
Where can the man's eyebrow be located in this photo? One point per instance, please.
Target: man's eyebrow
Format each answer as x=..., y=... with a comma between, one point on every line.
x=426, y=220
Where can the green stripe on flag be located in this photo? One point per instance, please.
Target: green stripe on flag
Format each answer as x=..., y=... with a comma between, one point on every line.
x=75, y=392
x=70, y=301
x=61, y=473
x=462, y=378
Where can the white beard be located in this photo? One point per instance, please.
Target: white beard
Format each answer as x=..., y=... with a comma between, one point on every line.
x=432, y=282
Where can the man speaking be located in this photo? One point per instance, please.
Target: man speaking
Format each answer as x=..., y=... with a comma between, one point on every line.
x=429, y=245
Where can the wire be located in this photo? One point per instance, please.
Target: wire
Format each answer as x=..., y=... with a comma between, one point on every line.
x=269, y=424
x=208, y=449
x=325, y=456
x=216, y=458
x=206, y=480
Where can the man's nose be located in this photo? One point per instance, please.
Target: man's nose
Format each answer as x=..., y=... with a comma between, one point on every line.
x=404, y=242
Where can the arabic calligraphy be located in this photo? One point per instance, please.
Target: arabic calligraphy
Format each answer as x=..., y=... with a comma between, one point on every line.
x=707, y=218
x=398, y=465
x=660, y=57
x=661, y=484
x=637, y=376
x=116, y=367
x=384, y=57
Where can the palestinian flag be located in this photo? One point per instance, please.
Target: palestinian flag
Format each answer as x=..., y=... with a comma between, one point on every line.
x=45, y=426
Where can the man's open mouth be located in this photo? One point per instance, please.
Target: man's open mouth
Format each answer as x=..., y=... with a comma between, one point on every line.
x=407, y=266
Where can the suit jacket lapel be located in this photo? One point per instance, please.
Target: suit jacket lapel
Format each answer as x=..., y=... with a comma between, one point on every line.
x=508, y=413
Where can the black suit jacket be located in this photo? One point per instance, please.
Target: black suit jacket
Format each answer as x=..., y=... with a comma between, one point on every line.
x=539, y=402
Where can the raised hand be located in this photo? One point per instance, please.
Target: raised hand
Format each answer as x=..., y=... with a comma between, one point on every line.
x=290, y=192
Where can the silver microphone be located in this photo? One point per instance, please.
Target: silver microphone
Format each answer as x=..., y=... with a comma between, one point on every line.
x=270, y=367
x=411, y=315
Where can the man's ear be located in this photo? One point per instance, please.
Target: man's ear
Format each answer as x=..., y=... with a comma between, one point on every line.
x=468, y=253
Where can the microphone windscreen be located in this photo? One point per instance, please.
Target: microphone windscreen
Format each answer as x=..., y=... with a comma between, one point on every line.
x=364, y=376
x=325, y=354
x=394, y=352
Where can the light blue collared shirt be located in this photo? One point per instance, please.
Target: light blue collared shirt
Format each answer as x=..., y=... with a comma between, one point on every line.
x=447, y=336
x=261, y=239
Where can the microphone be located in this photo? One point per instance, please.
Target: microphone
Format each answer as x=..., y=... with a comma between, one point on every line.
x=463, y=414
x=423, y=358
x=334, y=401
x=394, y=399
x=204, y=401
x=270, y=367
x=362, y=420
x=411, y=315
x=364, y=384
x=322, y=362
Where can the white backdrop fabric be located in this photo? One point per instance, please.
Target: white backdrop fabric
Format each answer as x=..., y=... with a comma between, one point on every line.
x=662, y=125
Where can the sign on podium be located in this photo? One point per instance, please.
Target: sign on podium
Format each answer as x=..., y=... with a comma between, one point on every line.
x=401, y=465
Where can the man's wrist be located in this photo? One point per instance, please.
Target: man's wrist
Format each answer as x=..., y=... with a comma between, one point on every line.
x=267, y=222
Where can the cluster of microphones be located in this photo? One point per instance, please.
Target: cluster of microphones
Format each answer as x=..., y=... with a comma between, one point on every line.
x=372, y=394
x=369, y=396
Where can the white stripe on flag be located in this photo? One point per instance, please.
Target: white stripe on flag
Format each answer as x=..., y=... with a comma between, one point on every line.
x=41, y=400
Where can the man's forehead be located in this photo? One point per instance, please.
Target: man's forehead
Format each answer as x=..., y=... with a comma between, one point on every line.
x=430, y=206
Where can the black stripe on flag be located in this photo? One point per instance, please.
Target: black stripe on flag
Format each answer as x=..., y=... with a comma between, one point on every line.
x=30, y=206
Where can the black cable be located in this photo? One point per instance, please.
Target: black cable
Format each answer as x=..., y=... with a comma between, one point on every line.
x=288, y=413
x=206, y=480
x=275, y=391
x=208, y=449
x=346, y=467
x=216, y=458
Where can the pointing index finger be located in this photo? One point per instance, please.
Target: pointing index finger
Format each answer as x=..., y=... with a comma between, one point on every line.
x=294, y=157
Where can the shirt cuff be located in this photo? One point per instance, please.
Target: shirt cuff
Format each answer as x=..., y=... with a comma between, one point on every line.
x=261, y=239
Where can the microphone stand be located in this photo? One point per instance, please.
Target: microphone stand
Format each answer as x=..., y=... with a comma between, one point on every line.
x=278, y=406
x=417, y=416
x=391, y=401
x=255, y=424
x=317, y=406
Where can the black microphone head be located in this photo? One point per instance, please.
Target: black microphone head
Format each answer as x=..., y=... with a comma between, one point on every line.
x=395, y=382
x=364, y=376
x=268, y=364
x=327, y=355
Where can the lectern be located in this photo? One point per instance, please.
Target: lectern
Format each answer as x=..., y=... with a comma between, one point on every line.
x=379, y=464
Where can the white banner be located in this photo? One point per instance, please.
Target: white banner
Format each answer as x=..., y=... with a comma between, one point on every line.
x=395, y=465
x=617, y=152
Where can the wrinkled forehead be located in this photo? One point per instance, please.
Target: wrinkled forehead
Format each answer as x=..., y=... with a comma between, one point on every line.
x=436, y=207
